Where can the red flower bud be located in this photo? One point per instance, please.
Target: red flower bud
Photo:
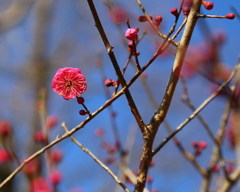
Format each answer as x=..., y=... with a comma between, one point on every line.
x=4, y=155
x=208, y=5
x=216, y=167
x=230, y=16
x=80, y=100
x=109, y=82
x=174, y=11
x=202, y=144
x=149, y=179
x=55, y=177
x=82, y=112
x=99, y=132
x=194, y=143
x=131, y=34
x=158, y=19
x=130, y=44
x=5, y=128
x=142, y=18
x=39, y=136
x=152, y=163
x=186, y=11
x=55, y=155
x=112, y=149
x=51, y=121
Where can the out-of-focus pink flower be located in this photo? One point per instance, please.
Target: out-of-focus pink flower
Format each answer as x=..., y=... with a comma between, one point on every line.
x=230, y=168
x=4, y=155
x=51, y=121
x=216, y=167
x=39, y=184
x=152, y=163
x=32, y=168
x=131, y=34
x=118, y=14
x=39, y=136
x=202, y=144
x=69, y=82
x=55, y=155
x=149, y=179
x=55, y=177
x=99, y=132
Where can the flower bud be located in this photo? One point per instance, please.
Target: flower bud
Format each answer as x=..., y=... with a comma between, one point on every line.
x=230, y=16
x=80, y=100
x=174, y=11
x=131, y=34
x=186, y=11
x=142, y=18
x=208, y=5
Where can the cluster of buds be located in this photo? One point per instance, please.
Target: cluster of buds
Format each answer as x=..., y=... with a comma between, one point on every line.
x=198, y=146
x=80, y=101
x=55, y=156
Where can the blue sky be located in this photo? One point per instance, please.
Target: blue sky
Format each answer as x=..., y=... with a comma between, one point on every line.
x=72, y=40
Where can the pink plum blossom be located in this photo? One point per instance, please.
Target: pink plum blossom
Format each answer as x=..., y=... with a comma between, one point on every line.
x=69, y=82
x=131, y=34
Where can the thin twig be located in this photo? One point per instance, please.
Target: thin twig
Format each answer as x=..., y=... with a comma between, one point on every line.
x=97, y=160
x=187, y=101
x=110, y=108
x=173, y=27
x=109, y=49
x=176, y=34
x=211, y=16
x=193, y=115
x=128, y=60
x=134, y=49
x=154, y=26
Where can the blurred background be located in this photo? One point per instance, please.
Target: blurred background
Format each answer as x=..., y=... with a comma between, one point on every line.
x=39, y=37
